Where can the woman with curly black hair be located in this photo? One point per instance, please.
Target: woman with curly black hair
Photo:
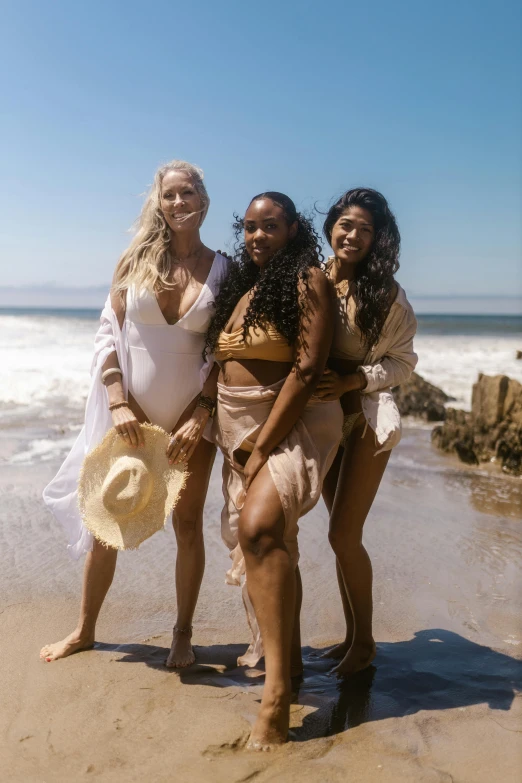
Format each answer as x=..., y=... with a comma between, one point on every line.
x=271, y=333
x=372, y=351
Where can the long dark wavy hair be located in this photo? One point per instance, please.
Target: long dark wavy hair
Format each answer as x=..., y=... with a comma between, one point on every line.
x=374, y=280
x=275, y=300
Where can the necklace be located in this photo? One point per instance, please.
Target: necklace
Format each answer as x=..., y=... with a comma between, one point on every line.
x=176, y=263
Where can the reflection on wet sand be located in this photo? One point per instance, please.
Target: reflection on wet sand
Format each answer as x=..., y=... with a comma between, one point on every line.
x=435, y=670
x=489, y=494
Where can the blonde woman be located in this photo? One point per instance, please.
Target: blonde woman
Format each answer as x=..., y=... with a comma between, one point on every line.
x=149, y=367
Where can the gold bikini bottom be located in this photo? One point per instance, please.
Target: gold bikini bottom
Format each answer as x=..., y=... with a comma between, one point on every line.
x=349, y=422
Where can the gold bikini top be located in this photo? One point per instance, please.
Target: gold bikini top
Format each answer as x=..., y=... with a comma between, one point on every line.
x=267, y=345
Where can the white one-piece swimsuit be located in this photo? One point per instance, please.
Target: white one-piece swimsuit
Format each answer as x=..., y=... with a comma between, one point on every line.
x=166, y=369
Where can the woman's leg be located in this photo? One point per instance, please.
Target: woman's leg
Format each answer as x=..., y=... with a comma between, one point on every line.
x=97, y=578
x=296, y=657
x=272, y=589
x=190, y=561
x=329, y=490
x=360, y=475
x=98, y=574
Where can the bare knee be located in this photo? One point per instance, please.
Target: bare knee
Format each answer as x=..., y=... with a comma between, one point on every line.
x=256, y=539
x=343, y=540
x=188, y=530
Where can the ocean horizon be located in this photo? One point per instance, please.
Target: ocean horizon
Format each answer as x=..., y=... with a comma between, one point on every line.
x=87, y=298
x=432, y=322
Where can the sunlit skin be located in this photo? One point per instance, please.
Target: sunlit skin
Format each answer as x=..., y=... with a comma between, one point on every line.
x=266, y=231
x=179, y=200
x=273, y=582
x=181, y=206
x=354, y=478
x=352, y=238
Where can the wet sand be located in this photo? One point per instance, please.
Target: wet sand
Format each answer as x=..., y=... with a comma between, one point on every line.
x=441, y=703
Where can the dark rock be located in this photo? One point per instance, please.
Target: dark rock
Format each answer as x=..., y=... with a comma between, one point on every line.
x=456, y=429
x=493, y=429
x=465, y=453
x=519, y=354
x=417, y=397
x=488, y=398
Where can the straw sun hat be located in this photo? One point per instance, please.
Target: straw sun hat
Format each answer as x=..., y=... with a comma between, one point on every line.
x=125, y=493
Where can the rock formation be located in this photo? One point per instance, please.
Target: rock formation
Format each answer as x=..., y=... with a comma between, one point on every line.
x=417, y=397
x=493, y=429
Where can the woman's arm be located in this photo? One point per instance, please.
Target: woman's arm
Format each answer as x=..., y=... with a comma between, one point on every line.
x=123, y=419
x=392, y=369
x=397, y=364
x=313, y=346
x=187, y=435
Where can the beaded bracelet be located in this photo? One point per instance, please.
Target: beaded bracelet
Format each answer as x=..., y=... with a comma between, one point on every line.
x=207, y=403
x=114, y=405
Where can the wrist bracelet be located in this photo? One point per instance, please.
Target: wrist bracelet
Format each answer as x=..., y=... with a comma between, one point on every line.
x=206, y=407
x=110, y=371
x=114, y=405
x=208, y=403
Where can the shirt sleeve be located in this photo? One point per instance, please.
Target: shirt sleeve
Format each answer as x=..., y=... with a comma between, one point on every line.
x=396, y=365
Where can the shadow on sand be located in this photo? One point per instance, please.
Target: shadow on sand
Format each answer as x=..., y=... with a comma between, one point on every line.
x=436, y=670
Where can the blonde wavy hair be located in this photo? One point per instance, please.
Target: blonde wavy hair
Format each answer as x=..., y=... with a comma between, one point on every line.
x=147, y=261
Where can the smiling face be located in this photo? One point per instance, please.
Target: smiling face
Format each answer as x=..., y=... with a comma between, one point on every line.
x=179, y=200
x=353, y=235
x=266, y=230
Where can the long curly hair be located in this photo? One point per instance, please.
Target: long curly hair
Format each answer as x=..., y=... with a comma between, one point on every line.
x=147, y=263
x=374, y=275
x=275, y=299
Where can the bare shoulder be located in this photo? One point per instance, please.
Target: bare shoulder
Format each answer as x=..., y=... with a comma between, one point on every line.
x=207, y=258
x=317, y=282
x=118, y=304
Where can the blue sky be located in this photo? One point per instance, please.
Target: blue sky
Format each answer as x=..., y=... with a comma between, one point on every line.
x=420, y=100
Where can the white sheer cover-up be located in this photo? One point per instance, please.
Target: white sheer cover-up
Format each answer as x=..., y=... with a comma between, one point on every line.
x=298, y=466
x=153, y=380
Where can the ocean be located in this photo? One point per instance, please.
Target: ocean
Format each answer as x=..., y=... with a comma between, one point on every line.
x=46, y=354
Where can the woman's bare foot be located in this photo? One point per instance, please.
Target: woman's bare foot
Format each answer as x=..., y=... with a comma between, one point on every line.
x=271, y=726
x=71, y=644
x=359, y=657
x=181, y=652
x=339, y=651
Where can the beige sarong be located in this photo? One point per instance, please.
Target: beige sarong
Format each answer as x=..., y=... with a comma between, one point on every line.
x=298, y=466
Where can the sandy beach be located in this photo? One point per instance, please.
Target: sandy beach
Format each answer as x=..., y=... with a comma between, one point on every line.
x=442, y=702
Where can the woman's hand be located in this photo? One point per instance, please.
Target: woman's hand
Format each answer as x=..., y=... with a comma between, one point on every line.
x=252, y=467
x=127, y=426
x=184, y=441
x=332, y=386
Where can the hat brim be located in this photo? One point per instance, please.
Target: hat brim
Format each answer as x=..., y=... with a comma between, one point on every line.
x=169, y=481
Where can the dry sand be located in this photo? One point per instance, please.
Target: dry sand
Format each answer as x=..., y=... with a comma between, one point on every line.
x=442, y=702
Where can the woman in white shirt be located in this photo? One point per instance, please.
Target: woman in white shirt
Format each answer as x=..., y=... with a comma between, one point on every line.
x=372, y=351
x=149, y=357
